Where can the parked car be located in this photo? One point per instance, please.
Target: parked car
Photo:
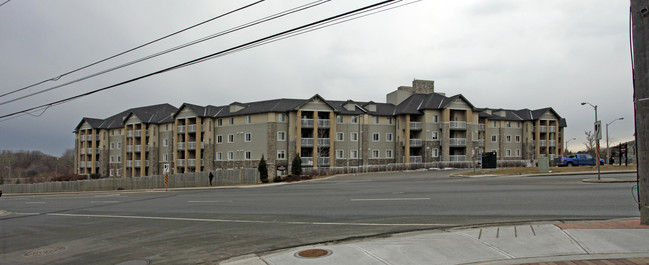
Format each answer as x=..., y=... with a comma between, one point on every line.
x=577, y=160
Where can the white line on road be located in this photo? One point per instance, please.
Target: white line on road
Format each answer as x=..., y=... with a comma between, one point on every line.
x=391, y=199
x=236, y=221
x=34, y=202
x=207, y=201
x=104, y=201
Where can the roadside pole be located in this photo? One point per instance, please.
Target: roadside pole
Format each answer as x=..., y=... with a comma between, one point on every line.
x=640, y=31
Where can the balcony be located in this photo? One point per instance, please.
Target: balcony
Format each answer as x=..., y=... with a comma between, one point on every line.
x=129, y=163
x=323, y=161
x=552, y=143
x=191, y=145
x=416, y=159
x=89, y=151
x=324, y=123
x=544, y=143
x=552, y=129
x=416, y=143
x=307, y=161
x=138, y=133
x=457, y=125
x=323, y=142
x=457, y=158
x=457, y=142
x=307, y=123
x=191, y=128
x=129, y=134
x=481, y=127
x=543, y=129
x=82, y=151
x=415, y=126
x=180, y=162
x=129, y=148
x=138, y=163
x=191, y=162
x=181, y=129
x=181, y=146
x=307, y=142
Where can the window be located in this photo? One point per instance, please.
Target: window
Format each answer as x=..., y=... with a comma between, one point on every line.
x=376, y=120
x=111, y=172
x=376, y=137
x=518, y=124
x=339, y=119
x=281, y=154
x=353, y=136
x=518, y=152
x=518, y=138
x=494, y=124
x=434, y=152
x=248, y=155
x=281, y=136
x=375, y=154
x=119, y=159
x=112, y=146
x=340, y=136
x=388, y=153
x=435, y=135
x=248, y=137
x=219, y=139
x=112, y=159
x=230, y=138
x=354, y=119
x=389, y=120
x=165, y=142
x=508, y=124
x=119, y=145
x=230, y=155
x=231, y=122
x=353, y=153
x=219, y=122
x=494, y=138
x=509, y=138
x=248, y=119
x=340, y=154
x=119, y=172
x=166, y=127
x=219, y=156
x=388, y=137
x=435, y=119
x=508, y=152
x=165, y=158
x=281, y=117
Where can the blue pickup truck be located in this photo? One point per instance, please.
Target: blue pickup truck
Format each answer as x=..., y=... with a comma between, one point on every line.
x=577, y=160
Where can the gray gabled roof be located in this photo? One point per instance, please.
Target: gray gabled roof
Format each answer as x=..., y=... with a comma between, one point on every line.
x=94, y=123
x=416, y=103
x=519, y=115
x=160, y=113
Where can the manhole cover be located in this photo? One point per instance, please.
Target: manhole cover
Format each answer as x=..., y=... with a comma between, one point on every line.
x=134, y=262
x=44, y=251
x=313, y=253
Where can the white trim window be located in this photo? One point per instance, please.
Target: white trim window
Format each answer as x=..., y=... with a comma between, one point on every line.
x=281, y=136
x=518, y=138
x=353, y=153
x=281, y=117
x=508, y=152
x=165, y=158
x=248, y=137
x=376, y=137
x=248, y=119
x=230, y=155
x=509, y=138
x=219, y=156
x=219, y=139
x=434, y=152
x=230, y=138
x=248, y=155
x=435, y=119
x=281, y=155
x=340, y=154
x=518, y=152
x=376, y=153
x=339, y=119
x=376, y=120
x=389, y=153
x=389, y=137
x=494, y=138
x=165, y=142
x=435, y=135
x=354, y=119
x=340, y=136
x=353, y=136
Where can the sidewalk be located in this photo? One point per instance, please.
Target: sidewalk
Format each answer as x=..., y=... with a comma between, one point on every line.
x=622, y=241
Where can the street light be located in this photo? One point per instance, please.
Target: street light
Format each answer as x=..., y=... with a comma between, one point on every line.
x=596, y=138
x=608, y=150
x=565, y=148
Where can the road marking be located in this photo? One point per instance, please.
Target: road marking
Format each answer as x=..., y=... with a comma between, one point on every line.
x=104, y=201
x=237, y=221
x=391, y=199
x=207, y=201
x=34, y=202
x=3, y=213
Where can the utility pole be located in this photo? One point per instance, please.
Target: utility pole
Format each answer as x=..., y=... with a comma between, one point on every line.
x=640, y=31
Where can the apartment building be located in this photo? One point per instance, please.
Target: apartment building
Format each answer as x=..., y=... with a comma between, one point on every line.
x=415, y=125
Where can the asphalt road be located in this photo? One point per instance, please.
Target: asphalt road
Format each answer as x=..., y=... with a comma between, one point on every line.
x=203, y=226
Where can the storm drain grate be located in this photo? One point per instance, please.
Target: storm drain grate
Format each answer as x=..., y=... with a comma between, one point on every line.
x=313, y=253
x=44, y=251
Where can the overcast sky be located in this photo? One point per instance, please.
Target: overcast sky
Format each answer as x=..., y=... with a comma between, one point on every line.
x=509, y=54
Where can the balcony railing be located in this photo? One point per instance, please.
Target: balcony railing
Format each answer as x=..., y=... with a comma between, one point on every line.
x=307, y=123
x=323, y=161
x=129, y=134
x=415, y=126
x=416, y=142
x=323, y=142
x=544, y=143
x=457, y=158
x=180, y=162
x=324, y=123
x=181, y=129
x=191, y=162
x=191, y=145
x=307, y=142
x=307, y=161
x=457, y=124
x=191, y=128
x=129, y=163
x=138, y=163
x=481, y=127
x=138, y=148
x=544, y=129
x=181, y=146
x=129, y=148
x=552, y=143
x=416, y=159
x=457, y=142
x=552, y=129
x=138, y=133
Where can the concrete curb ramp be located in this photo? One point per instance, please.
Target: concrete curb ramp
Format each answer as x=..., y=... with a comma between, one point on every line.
x=491, y=245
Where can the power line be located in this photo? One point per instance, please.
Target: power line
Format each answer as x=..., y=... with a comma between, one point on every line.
x=222, y=33
x=56, y=78
x=210, y=56
x=5, y=2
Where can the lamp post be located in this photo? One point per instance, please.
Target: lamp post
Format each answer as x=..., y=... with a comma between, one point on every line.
x=565, y=148
x=597, y=136
x=608, y=150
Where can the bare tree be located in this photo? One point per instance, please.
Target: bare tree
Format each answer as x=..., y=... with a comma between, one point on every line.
x=590, y=143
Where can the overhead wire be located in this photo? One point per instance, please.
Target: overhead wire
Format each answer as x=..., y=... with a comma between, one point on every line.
x=222, y=33
x=207, y=57
x=56, y=78
x=5, y=2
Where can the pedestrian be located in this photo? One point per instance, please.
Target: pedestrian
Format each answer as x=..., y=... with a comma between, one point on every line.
x=211, y=178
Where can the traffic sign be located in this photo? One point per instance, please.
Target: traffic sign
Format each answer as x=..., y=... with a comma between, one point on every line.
x=165, y=168
x=166, y=179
